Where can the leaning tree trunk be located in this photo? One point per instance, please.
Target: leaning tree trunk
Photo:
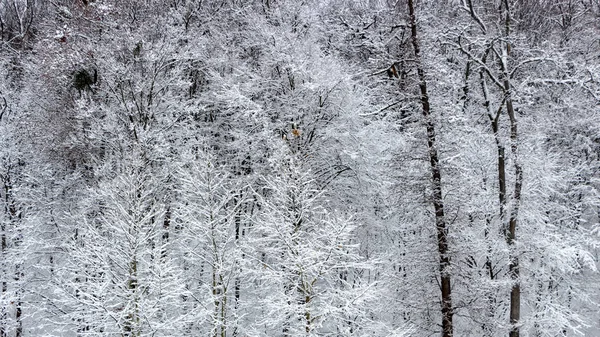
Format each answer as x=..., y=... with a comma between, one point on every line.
x=438, y=203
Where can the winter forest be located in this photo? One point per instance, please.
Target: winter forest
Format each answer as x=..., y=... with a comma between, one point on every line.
x=282, y=168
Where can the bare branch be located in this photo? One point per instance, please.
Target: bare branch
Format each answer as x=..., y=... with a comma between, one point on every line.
x=380, y=110
x=531, y=60
x=479, y=62
x=469, y=8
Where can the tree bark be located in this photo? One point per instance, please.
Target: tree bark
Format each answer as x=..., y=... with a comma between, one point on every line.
x=3, y=331
x=4, y=283
x=513, y=267
x=131, y=326
x=438, y=203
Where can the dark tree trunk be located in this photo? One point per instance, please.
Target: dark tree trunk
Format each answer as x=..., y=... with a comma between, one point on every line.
x=4, y=283
x=438, y=203
x=513, y=267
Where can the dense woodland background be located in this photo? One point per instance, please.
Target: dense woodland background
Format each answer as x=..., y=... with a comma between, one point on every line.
x=299, y=168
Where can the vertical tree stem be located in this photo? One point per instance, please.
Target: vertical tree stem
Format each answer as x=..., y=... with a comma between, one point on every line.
x=438, y=203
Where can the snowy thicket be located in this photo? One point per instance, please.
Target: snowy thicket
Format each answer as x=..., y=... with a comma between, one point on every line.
x=299, y=168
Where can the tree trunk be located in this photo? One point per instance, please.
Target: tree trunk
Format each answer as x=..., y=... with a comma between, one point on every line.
x=4, y=283
x=513, y=267
x=515, y=293
x=438, y=203
x=132, y=320
x=3, y=318
x=165, y=236
x=18, y=310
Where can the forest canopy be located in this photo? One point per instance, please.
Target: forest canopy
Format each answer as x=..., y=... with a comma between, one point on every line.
x=235, y=168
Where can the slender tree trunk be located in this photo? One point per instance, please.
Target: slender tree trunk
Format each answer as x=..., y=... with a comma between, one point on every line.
x=165, y=236
x=216, y=301
x=7, y=211
x=223, y=310
x=501, y=164
x=286, y=323
x=14, y=216
x=237, y=282
x=18, y=310
x=465, y=97
x=494, y=117
x=4, y=283
x=438, y=203
x=307, y=315
x=218, y=290
x=513, y=267
x=132, y=320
